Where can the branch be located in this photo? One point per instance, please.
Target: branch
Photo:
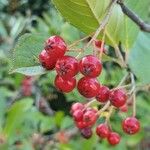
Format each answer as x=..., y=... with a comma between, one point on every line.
x=134, y=17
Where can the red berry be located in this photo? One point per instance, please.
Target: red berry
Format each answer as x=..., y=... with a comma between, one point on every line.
x=90, y=117
x=88, y=87
x=114, y=138
x=76, y=106
x=102, y=131
x=81, y=124
x=47, y=61
x=118, y=97
x=124, y=108
x=90, y=66
x=98, y=43
x=55, y=46
x=131, y=125
x=86, y=133
x=65, y=85
x=78, y=115
x=67, y=66
x=103, y=94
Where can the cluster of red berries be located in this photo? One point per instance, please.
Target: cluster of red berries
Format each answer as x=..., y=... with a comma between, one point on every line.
x=85, y=118
x=67, y=67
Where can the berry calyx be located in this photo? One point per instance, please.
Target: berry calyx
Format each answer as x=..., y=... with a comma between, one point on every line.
x=88, y=87
x=102, y=131
x=67, y=66
x=90, y=117
x=131, y=125
x=65, y=85
x=55, y=46
x=47, y=61
x=103, y=94
x=118, y=97
x=90, y=66
x=114, y=138
x=76, y=106
x=86, y=133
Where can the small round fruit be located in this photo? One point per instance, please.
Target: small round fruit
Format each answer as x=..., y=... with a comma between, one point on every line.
x=67, y=66
x=114, y=138
x=103, y=94
x=102, y=130
x=98, y=43
x=131, y=125
x=80, y=124
x=46, y=61
x=55, y=47
x=88, y=87
x=78, y=115
x=90, y=66
x=90, y=117
x=118, y=97
x=76, y=106
x=65, y=85
x=86, y=133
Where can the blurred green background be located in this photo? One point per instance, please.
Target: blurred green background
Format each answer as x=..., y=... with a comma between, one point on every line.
x=33, y=114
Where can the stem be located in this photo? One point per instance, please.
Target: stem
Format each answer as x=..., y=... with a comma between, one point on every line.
x=119, y=55
x=78, y=41
x=109, y=114
x=121, y=87
x=102, y=45
x=123, y=80
x=89, y=103
x=134, y=94
x=104, y=108
x=102, y=24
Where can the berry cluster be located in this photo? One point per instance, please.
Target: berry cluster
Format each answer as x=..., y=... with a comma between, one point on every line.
x=67, y=67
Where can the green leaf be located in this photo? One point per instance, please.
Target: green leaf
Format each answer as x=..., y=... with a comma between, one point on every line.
x=30, y=71
x=86, y=15
x=26, y=52
x=139, y=58
x=16, y=115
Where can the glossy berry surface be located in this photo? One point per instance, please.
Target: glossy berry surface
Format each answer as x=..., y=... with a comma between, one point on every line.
x=90, y=117
x=118, y=97
x=55, y=46
x=102, y=131
x=46, y=61
x=81, y=124
x=114, y=138
x=131, y=125
x=88, y=87
x=90, y=66
x=65, y=85
x=76, y=106
x=98, y=43
x=103, y=94
x=86, y=133
x=78, y=115
x=67, y=66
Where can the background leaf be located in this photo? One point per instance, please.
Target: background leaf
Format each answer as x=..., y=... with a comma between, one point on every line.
x=139, y=61
x=26, y=52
